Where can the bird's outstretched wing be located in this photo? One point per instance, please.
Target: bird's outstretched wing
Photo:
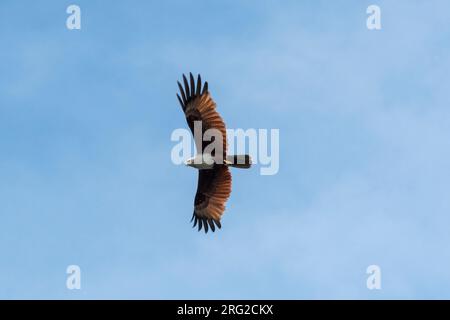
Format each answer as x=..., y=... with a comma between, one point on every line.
x=213, y=190
x=198, y=105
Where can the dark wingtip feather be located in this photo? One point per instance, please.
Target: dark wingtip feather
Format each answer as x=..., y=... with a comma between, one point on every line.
x=191, y=78
x=195, y=222
x=182, y=92
x=211, y=225
x=199, y=85
x=181, y=102
x=186, y=87
x=205, y=87
x=205, y=224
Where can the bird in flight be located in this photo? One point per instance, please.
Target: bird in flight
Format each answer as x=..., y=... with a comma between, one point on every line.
x=214, y=177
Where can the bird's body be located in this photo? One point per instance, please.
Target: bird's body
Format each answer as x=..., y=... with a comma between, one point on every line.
x=214, y=178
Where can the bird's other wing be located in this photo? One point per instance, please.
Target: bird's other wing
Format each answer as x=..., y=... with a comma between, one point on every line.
x=198, y=105
x=213, y=191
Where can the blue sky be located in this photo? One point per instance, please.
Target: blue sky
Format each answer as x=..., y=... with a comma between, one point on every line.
x=85, y=170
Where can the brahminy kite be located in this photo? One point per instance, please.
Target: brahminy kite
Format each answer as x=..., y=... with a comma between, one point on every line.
x=214, y=177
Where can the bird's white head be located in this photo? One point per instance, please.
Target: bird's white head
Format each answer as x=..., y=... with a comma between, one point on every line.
x=200, y=162
x=189, y=162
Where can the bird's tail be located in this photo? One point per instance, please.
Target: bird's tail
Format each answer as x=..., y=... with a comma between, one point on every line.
x=243, y=161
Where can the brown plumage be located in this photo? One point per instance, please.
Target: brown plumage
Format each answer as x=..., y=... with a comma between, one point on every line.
x=213, y=190
x=214, y=184
x=201, y=107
